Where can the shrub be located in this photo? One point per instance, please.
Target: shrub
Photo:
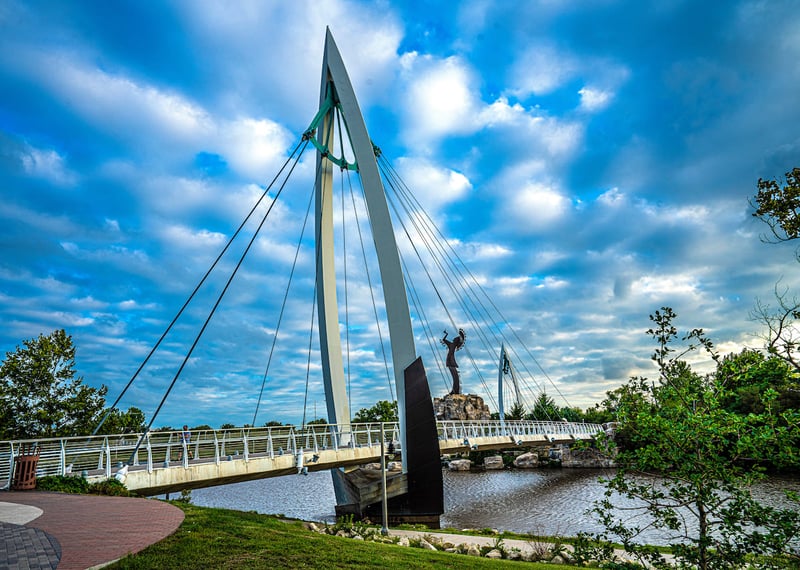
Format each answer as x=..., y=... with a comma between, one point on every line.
x=63, y=484
x=79, y=485
x=110, y=487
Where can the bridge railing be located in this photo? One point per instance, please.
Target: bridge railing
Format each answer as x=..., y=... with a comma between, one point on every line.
x=97, y=455
x=160, y=449
x=461, y=430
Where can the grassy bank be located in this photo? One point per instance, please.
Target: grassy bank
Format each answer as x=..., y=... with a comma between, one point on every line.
x=218, y=538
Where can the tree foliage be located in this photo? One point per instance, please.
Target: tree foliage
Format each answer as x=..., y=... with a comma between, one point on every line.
x=782, y=326
x=779, y=206
x=382, y=411
x=130, y=421
x=40, y=395
x=544, y=409
x=692, y=458
x=517, y=412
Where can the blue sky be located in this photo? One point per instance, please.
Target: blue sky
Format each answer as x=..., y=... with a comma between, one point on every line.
x=591, y=162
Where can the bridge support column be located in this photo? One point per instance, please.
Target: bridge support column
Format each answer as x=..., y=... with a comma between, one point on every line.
x=423, y=500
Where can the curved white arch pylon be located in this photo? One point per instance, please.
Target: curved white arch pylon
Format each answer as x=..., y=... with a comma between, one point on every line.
x=334, y=77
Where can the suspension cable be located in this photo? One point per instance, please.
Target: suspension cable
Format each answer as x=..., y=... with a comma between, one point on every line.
x=452, y=287
x=371, y=292
x=283, y=304
x=308, y=362
x=216, y=305
x=302, y=144
x=461, y=265
x=401, y=189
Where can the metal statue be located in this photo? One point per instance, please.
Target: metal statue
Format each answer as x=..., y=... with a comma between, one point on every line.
x=452, y=346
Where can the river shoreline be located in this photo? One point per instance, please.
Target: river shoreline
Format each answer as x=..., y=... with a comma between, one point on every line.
x=542, y=502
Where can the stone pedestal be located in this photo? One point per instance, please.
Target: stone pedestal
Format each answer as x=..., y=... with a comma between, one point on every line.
x=461, y=407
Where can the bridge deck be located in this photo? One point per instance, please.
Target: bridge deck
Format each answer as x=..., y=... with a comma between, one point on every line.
x=165, y=463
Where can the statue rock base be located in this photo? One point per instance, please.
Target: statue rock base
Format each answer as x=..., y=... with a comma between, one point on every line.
x=461, y=407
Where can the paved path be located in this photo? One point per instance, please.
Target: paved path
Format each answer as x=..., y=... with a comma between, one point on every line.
x=41, y=530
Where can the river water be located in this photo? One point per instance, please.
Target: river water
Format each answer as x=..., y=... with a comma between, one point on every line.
x=538, y=501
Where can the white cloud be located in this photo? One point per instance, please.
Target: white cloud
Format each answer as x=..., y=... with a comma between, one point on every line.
x=185, y=238
x=661, y=287
x=252, y=147
x=593, y=100
x=441, y=98
x=535, y=207
x=122, y=104
x=433, y=185
x=48, y=164
x=487, y=251
x=612, y=198
x=541, y=69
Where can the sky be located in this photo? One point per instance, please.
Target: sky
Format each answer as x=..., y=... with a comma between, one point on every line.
x=591, y=162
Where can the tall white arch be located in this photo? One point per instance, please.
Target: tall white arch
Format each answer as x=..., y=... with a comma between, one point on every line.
x=336, y=82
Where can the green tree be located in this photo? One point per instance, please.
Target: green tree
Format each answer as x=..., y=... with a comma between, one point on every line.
x=750, y=375
x=778, y=205
x=517, y=412
x=131, y=421
x=40, y=395
x=382, y=411
x=782, y=334
x=692, y=463
x=544, y=409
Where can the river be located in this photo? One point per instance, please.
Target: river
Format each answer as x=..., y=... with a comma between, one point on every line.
x=538, y=501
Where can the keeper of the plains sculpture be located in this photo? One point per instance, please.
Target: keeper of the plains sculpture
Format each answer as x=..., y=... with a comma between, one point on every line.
x=452, y=346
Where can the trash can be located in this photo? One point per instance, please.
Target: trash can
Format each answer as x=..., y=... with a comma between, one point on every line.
x=25, y=463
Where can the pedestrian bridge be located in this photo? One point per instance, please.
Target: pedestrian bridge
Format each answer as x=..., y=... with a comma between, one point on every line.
x=164, y=463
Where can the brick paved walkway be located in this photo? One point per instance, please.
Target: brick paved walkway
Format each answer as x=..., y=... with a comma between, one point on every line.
x=83, y=530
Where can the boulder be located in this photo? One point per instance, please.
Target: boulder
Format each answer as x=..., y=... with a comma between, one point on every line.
x=473, y=550
x=461, y=407
x=460, y=465
x=526, y=461
x=494, y=553
x=373, y=470
x=585, y=458
x=493, y=462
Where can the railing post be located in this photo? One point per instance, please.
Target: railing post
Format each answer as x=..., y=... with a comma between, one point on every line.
x=216, y=448
x=10, y=464
x=185, y=453
x=108, y=456
x=62, y=458
x=246, y=447
x=269, y=444
x=136, y=457
x=384, y=501
x=149, y=446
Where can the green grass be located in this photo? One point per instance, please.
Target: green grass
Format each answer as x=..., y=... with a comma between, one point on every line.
x=218, y=538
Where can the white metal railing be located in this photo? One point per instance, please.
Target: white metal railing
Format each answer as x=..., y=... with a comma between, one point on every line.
x=100, y=454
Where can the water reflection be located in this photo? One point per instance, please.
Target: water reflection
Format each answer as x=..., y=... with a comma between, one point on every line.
x=543, y=501
x=551, y=501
